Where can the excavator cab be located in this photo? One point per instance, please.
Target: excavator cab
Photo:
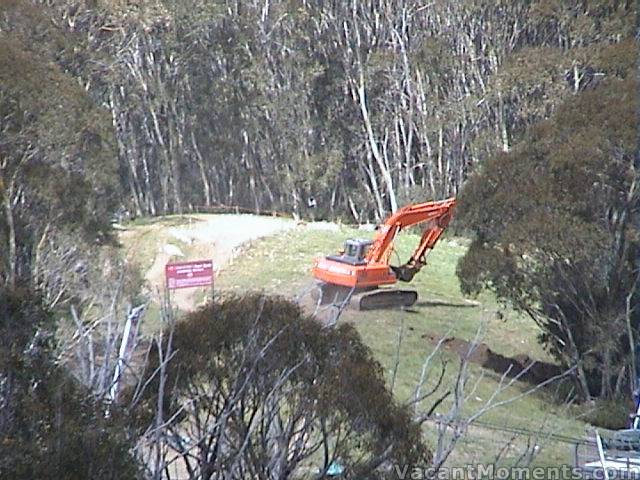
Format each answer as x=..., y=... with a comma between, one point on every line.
x=354, y=253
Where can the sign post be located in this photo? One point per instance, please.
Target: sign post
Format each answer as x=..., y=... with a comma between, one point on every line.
x=198, y=273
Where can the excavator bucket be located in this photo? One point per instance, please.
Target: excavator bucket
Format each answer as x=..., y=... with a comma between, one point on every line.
x=331, y=294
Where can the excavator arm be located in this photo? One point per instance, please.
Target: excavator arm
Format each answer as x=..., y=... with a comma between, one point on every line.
x=437, y=215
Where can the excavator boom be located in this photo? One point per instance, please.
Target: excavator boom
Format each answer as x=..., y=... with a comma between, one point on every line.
x=364, y=265
x=438, y=214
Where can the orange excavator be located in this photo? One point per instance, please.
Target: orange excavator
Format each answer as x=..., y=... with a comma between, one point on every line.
x=360, y=272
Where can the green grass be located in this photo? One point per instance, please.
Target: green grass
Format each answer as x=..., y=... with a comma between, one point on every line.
x=142, y=238
x=281, y=264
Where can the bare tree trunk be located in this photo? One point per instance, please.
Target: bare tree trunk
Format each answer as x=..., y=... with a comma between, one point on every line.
x=375, y=191
x=504, y=134
x=386, y=175
x=12, y=259
x=203, y=172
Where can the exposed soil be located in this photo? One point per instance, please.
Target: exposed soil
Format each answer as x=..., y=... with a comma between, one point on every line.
x=214, y=237
x=487, y=358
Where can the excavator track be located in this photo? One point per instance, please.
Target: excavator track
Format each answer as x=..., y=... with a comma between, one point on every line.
x=364, y=298
x=383, y=298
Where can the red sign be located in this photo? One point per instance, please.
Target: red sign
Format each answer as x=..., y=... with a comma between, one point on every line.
x=189, y=274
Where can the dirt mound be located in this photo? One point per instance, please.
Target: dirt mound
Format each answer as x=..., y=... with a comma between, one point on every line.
x=536, y=371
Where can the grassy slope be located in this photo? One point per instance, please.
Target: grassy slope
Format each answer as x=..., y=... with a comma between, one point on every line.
x=280, y=265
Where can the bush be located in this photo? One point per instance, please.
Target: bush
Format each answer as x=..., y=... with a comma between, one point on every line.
x=609, y=414
x=50, y=426
x=278, y=392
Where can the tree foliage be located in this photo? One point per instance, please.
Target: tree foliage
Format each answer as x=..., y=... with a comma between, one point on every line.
x=50, y=427
x=162, y=106
x=58, y=171
x=556, y=232
x=360, y=105
x=254, y=389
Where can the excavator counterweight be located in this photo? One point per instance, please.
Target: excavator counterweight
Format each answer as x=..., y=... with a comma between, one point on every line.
x=361, y=273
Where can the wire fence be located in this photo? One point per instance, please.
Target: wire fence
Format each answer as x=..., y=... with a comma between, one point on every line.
x=235, y=209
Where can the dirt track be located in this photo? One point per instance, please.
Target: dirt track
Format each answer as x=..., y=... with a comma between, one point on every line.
x=215, y=237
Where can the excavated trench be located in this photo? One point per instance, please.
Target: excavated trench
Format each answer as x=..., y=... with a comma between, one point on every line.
x=535, y=371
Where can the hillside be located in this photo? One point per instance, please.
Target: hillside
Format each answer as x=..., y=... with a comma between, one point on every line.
x=279, y=262
x=151, y=245
x=258, y=134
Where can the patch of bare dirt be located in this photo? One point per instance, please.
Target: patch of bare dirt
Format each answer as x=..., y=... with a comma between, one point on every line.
x=214, y=237
x=536, y=371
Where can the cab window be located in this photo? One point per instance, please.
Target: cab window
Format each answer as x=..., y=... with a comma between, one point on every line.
x=352, y=250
